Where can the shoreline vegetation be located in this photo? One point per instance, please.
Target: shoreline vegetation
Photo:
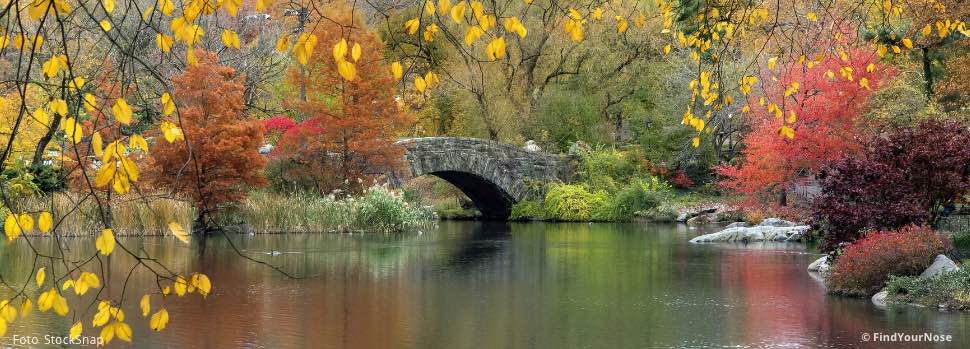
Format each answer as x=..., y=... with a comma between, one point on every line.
x=378, y=210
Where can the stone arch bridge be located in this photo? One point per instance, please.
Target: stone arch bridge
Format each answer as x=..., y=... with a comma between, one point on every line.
x=493, y=175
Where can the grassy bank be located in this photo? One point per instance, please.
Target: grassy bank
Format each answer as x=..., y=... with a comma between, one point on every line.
x=379, y=210
x=78, y=215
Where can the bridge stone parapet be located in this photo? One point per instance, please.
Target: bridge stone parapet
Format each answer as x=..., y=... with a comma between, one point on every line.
x=494, y=175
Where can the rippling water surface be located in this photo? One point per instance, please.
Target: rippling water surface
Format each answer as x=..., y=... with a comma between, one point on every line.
x=488, y=285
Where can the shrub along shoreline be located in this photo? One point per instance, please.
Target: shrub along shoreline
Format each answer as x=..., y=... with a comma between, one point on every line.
x=378, y=210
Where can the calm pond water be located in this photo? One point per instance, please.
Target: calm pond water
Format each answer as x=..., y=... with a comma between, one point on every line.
x=478, y=285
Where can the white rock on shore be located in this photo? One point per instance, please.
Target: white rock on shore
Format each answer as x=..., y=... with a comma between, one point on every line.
x=820, y=265
x=940, y=264
x=771, y=229
x=879, y=299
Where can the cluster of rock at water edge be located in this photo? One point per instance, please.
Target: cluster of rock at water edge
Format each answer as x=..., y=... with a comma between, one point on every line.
x=708, y=214
x=771, y=229
x=940, y=265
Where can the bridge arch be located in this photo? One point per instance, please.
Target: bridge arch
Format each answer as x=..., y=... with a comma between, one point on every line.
x=493, y=175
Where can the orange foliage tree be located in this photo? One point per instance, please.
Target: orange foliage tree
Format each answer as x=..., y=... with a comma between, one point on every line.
x=807, y=118
x=219, y=161
x=350, y=125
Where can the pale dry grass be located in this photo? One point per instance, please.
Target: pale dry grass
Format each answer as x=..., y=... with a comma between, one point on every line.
x=78, y=215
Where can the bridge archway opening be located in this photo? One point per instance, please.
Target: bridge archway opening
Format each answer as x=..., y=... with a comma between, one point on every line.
x=492, y=201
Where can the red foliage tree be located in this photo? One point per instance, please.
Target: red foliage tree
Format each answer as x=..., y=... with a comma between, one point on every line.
x=826, y=106
x=905, y=177
x=347, y=138
x=276, y=126
x=219, y=160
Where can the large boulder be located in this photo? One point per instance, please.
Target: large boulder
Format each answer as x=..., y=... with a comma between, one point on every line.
x=756, y=233
x=940, y=265
x=879, y=299
x=685, y=216
x=820, y=265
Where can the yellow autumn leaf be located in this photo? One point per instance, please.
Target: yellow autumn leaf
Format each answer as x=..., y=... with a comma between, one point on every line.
x=495, y=49
x=90, y=102
x=7, y=311
x=621, y=24
x=202, y=283
x=25, y=307
x=283, y=44
x=355, y=52
x=411, y=26
x=41, y=275
x=104, y=175
x=138, y=142
x=230, y=39
x=340, y=50
x=11, y=227
x=419, y=84
x=472, y=34
x=76, y=330
x=180, y=286
x=262, y=4
x=58, y=106
x=231, y=6
x=105, y=25
x=179, y=232
x=76, y=84
x=908, y=43
x=146, y=305
x=45, y=221
x=397, y=70
x=26, y=222
x=109, y=5
x=159, y=320
x=105, y=242
x=772, y=62
x=121, y=111
x=458, y=12
x=171, y=132
x=168, y=104
x=102, y=316
x=190, y=57
x=429, y=32
x=347, y=70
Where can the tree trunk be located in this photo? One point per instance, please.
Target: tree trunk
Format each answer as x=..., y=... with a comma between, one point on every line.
x=492, y=133
x=44, y=141
x=927, y=73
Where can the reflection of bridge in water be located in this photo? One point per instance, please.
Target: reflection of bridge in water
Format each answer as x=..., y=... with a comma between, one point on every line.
x=493, y=175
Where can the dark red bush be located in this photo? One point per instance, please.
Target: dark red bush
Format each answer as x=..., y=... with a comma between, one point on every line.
x=904, y=177
x=680, y=180
x=866, y=264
